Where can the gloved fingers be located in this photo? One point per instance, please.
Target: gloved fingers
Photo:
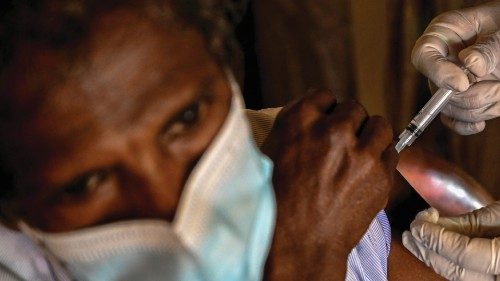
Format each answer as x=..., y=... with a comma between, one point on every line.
x=440, y=264
x=463, y=128
x=482, y=57
x=479, y=95
x=477, y=254
x=484, y=222
x=435, y=53
x=429, y=56
x=472, y=115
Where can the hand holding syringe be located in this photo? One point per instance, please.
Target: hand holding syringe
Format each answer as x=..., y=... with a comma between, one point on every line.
x=424, y=117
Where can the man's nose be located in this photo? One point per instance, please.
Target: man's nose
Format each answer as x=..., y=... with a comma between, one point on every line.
x=153, y=182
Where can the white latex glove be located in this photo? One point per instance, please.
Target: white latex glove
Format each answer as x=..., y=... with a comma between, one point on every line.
x=465, y=247
x=468, y=37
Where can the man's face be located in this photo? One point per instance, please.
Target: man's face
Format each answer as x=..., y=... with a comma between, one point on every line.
x=119, y=135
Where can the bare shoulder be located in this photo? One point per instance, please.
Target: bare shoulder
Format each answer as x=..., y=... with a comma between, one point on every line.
x=404, y=266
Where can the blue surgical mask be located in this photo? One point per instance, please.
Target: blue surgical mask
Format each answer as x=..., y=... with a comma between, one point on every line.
x=222, y=230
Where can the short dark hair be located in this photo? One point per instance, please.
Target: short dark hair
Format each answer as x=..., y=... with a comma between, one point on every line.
x=59, y=23
x=63, y=24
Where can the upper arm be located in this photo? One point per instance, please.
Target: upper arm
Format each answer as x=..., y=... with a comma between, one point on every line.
x=402, y=265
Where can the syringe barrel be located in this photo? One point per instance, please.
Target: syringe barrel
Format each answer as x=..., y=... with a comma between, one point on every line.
x=430, y=110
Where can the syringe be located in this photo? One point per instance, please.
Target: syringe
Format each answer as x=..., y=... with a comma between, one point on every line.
x=424, y=117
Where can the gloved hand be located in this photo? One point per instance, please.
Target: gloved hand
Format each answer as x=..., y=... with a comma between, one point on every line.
x=468, y=37
x=465, y=247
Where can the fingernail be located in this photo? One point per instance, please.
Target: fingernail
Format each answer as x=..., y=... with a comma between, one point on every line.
x=470, y=61
x=480, y=61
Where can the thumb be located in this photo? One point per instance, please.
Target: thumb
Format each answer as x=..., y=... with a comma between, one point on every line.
x=430, y=57
x=482, y=57
x=484, y=222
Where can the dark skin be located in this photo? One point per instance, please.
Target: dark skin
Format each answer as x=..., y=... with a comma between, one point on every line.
x=341, y=162
x=346, y=151
x=118, y=136
x=136, y=119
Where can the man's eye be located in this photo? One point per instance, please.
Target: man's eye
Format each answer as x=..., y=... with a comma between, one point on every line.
x=185, y=120
x=190, y=115
x=82, y=186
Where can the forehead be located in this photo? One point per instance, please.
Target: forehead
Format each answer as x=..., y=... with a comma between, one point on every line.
x=123, y=62
x=129, y=55
x=117, y=49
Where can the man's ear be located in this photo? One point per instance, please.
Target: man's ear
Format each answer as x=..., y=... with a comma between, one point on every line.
x=7, y=215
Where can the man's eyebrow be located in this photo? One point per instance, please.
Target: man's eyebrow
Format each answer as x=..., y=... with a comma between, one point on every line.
x=203, y=91
x=205, y=87
x=175, y=102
